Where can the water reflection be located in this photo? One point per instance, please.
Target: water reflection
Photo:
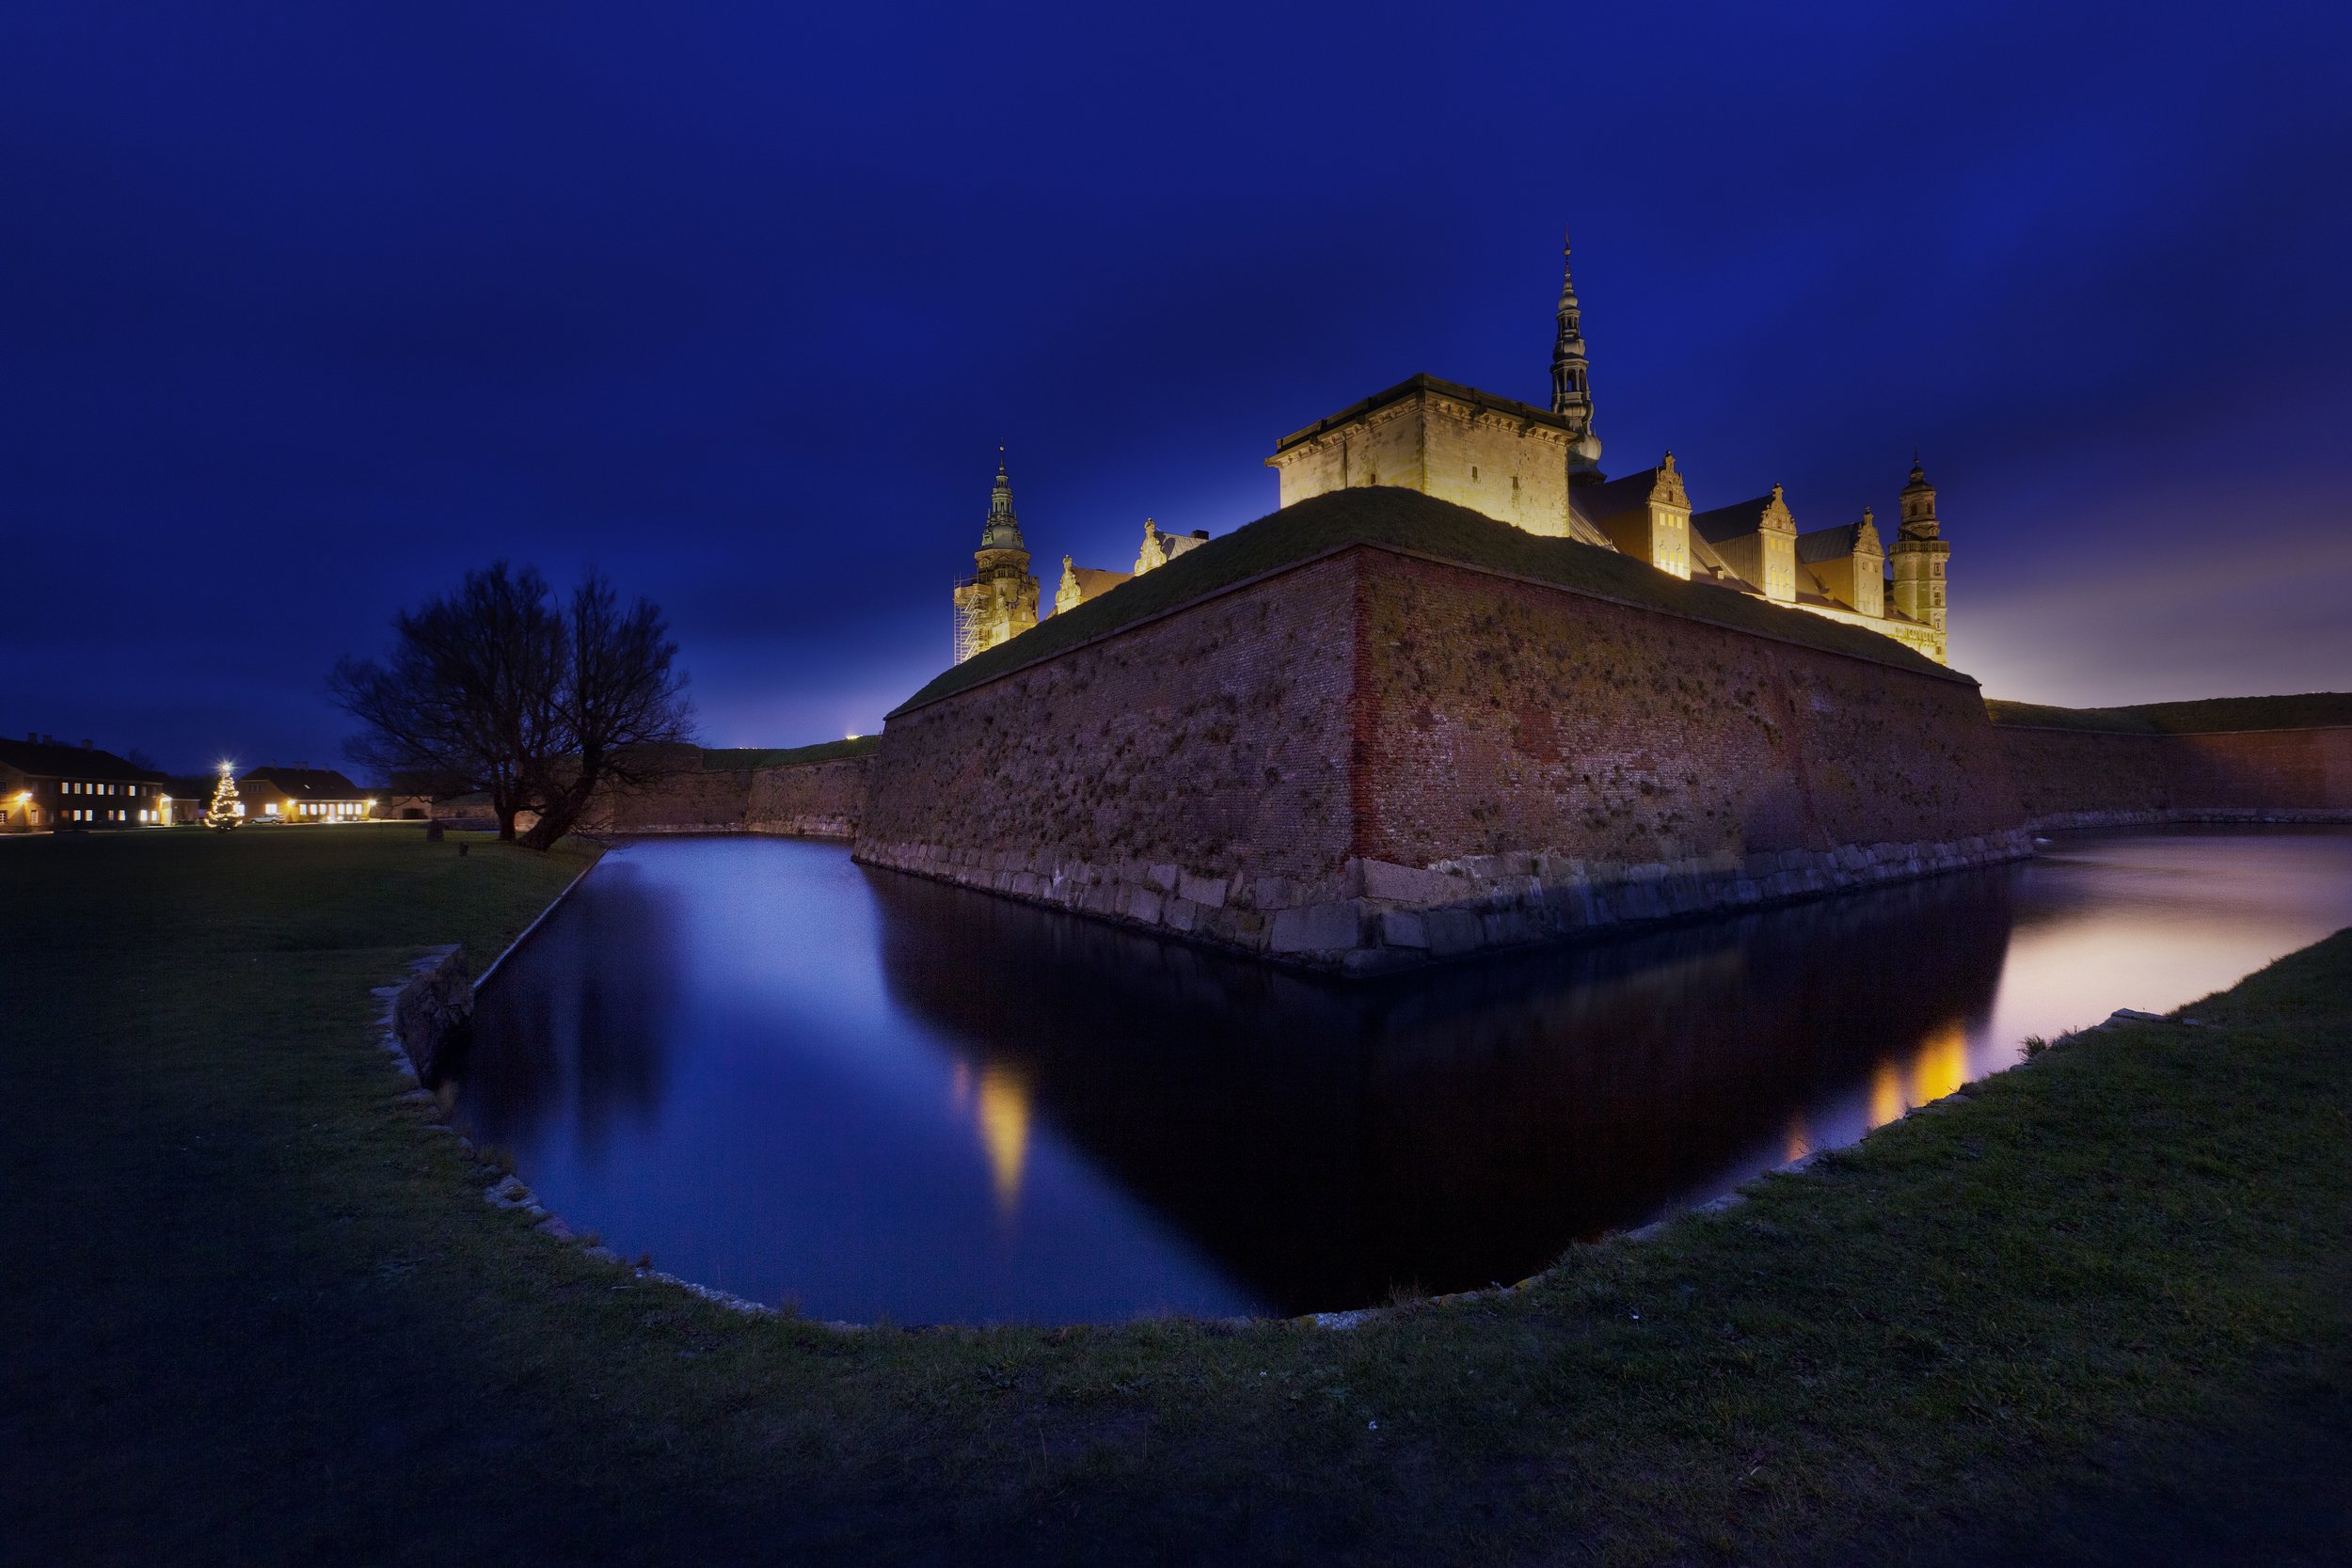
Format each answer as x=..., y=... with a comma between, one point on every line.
x=784, y=1074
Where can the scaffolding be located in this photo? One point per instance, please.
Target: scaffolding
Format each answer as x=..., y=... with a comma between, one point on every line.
x=968, y=598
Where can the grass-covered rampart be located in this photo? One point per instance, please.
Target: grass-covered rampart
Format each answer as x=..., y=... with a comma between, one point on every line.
x=1390, y=517
x=2205, y=716
x=255, y=1312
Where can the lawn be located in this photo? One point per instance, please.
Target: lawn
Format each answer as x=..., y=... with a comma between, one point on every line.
x=2091, y=1310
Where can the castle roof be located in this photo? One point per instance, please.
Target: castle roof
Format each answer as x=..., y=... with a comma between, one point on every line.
x=1829, y=544
x=1407, y=522
x=1718, y=524
x=1598, y=503
x=1415, y=386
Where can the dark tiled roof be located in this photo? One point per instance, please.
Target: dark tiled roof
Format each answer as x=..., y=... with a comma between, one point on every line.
x=1730, y=522
x=48, y=760
x=1827, y=543
x=1598, y=503
x=1708, y=566
x=303, y=783
x=1403, y=389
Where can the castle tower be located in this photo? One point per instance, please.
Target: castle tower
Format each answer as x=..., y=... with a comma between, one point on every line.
x=1571, y=389
x=999, y=601
x=1919, y=555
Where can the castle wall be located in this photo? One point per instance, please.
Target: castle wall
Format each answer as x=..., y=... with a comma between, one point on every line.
x=809, y=799
x=1373, y=760
x=1505, y=466
x=676, y=795
x=1510, y=716
x=1511, y=471
x=1188, y=773
x=2091, y=778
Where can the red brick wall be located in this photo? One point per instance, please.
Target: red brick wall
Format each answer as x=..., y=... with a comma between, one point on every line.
x=1214, y=739
x=1506, y=716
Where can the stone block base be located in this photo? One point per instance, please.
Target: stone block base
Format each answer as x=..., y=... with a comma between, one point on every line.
x=1373, y=918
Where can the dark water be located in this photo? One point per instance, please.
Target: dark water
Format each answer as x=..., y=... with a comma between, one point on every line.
x=788, y=1076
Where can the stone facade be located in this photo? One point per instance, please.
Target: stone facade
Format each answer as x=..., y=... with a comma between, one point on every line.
x=1492, y=454
x=1372, y=760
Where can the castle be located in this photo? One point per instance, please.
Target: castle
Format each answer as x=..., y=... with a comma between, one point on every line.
x=1539, y=471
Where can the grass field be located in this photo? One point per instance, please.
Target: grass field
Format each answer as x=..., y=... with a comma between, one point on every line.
x=255, y=1312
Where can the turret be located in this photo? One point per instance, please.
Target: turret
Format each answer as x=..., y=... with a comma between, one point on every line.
x=1919, y=555
x=1571, y=389
x=1000, y=600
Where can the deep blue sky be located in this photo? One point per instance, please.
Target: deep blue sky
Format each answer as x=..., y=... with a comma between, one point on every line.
x=304, y=309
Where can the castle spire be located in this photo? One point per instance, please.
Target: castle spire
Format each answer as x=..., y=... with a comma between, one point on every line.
x=1003, y=530
x=1571, y=391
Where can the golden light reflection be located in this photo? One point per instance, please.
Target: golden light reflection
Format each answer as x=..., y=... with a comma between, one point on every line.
x=1887, y=1094
x=1004, y=1117
x=1942, y=1066
x=1799, y=1142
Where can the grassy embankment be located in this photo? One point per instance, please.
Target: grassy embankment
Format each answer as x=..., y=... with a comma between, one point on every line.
x=255, y=1312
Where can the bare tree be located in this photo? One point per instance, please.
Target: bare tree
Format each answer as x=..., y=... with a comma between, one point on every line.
x=619, y=691
x=466, y=697
x=497, y=689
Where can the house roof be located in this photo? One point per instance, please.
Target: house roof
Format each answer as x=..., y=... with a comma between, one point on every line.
x=1598, y=503
x=46, y=759
x=1408, y=521
x=303, y=783
x=1415, y=386
x=1827, y=543
x=1721, y=523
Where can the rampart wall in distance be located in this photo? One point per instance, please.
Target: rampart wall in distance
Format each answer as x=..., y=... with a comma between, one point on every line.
x=2080, y=778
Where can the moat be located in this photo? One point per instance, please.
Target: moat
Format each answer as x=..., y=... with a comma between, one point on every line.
x=875, y=1097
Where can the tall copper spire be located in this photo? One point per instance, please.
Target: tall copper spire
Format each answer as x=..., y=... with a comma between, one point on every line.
x=1571, y=392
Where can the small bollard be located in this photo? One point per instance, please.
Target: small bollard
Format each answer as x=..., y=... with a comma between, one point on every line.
x=462, y=847
x=432, y=832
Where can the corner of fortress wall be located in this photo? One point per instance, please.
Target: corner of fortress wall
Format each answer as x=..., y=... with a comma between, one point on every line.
x=1374, y=761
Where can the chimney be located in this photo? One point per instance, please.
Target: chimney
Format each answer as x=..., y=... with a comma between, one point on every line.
x=88, y=745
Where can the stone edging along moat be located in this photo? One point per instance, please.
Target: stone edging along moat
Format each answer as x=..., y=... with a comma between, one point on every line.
x=423, y=1013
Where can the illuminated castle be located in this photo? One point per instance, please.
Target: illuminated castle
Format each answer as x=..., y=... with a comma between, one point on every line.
x=1538, y=469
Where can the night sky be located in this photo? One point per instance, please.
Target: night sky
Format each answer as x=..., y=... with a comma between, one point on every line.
x=305, y=309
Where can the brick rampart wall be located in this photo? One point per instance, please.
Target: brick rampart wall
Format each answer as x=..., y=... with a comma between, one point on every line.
x=1372, y=760
x=1160, y=774
x=2085, y=778
x=675, y=795
x=812, y=800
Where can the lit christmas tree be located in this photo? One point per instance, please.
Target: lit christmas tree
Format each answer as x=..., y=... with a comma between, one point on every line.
x=221, y=815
